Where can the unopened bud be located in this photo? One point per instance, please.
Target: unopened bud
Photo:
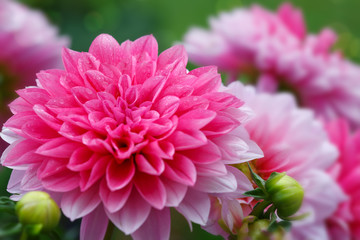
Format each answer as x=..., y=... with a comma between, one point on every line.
x=38, y=208
x=285, y=193
x=258, y=229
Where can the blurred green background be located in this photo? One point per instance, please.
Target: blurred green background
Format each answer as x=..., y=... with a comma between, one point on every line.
x=168, y=20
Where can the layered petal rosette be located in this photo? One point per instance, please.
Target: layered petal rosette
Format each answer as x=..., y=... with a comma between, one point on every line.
x=274, y=51
x=292, y=142
x=124, y=134
x=345, y=223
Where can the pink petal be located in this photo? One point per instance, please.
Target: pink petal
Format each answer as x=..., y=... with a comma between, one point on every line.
x=94, y=225
x=98, y=80
x=175, y=192
x=61, y=181
x=83, y=94
x=164, y=150
x=181, y=170
x=211, y=169
x=178, y=90
x=30, y=182
x=50, y=80
x=167, y=106
x=216, y=184
x=144, y=70
x=82, y=159
x=58, y=147
x=151, y=88
x=222, y=101
x=14, y=183
x=87, y=62
x=151, y=189
x=195, y=207
x=90, y=177
x=195, y=119
x=173, y=60
x=16, y=122
x=132, y=215
x=76, y=204
x=191, y=103
x=70, y=60
x=204, y=154
x=47, y=117
x=34, y=95
x=38, y=131
x=21, y=153
x=156, y=227
x=106, y=49
x=150, y=164
x=207, y=82
x=119, y=175
x=146, y=44
x=187, y=140
x=293, y=19
x=114, y=200
x=19, y=105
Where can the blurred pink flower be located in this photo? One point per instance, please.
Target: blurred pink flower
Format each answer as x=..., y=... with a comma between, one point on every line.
x=246, y=40
x=345, y=223
x=124, y=134
x=295, y=143
x=273, y=50
x=28, y=44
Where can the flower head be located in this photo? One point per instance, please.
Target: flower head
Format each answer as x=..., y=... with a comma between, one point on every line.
x=295, y=143
x=345, y=223
x=124, y=134
x=273, y=51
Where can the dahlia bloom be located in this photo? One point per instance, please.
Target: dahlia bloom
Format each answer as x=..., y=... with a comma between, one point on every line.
x=124, y=134
x=273, y=50
x=345, y=223
x=29, y=44
x=292, y=142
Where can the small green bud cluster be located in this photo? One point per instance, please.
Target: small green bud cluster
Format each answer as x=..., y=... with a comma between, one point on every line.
x=279, y=196
x=258, y=229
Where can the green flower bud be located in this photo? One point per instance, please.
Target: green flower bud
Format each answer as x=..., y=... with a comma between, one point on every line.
x=38, y=209
x=258, y=229
x=285, y=193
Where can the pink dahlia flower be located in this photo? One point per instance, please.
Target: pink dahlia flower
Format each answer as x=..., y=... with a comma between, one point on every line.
x=295, y=143
x=28, y=44
x=273, y=50
x=345, y=223
x=124, y=134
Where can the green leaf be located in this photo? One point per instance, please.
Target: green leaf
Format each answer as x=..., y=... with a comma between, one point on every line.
x=7, y=205
x=10, y=229
x=257, y=179
x=257, y=193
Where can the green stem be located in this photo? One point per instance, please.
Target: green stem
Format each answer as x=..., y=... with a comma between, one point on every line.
x=258, y=210
x=109, y=231
x=24, y=235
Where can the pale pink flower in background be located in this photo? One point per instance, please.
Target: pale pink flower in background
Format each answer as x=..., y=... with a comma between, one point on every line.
x=345, y=223
x=28, y=44
x=273, y=50
x=295, y=143
x=246, y=40
x=124, y=134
